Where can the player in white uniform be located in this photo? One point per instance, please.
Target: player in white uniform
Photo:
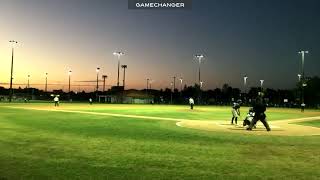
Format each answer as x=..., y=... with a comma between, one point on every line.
x=249, y=118
x=235, y=112
x=191, y=102
x=56, y=101
x=90, y=101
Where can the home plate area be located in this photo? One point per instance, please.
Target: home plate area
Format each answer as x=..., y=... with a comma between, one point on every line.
x=278, y=128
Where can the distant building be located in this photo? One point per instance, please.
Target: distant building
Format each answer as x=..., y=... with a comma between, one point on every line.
x=137, y=97
x=118, y=95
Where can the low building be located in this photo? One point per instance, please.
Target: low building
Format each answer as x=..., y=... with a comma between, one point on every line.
x=127, y=97
x=137, y=97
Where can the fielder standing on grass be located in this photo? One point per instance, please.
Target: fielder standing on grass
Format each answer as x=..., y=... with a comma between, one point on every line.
x=56, y=101
x=191, y=102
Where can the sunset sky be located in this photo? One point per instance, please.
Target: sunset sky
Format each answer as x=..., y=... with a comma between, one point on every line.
x=258, y=38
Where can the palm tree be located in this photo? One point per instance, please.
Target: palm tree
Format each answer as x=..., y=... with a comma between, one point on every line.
x=124, y=74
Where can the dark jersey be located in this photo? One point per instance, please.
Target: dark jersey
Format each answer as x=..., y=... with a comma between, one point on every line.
x=259, y=108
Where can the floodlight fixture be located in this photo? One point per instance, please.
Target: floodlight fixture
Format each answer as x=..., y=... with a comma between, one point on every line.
x=299, y=77
x=201, y=84
x=261, y=82
x=245, y=78
x=118, y=54
x=181, y=79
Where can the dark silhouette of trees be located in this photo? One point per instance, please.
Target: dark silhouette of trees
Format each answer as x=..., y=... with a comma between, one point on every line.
x=219, y=96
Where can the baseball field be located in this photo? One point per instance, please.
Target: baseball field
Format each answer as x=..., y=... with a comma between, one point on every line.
x=104, y=141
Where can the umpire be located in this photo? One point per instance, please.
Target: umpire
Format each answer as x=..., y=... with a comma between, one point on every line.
x=259, y=107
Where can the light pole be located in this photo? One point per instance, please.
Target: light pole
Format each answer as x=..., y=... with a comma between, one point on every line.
x=261, y=84
x=69, y=74
x=124, y=74
x=118, y=54
x=147, y=85
x=104, y=82
x=174, y=82
x=302, y=61
x=181, y=84
x=201, y=84
x=245, y=79
x=171, y=92
x=200, y=93
x=28, y=85
x=97, y=86
x=199, y=58
x=11, y=77
x=150, y=83
x=299, y=77
x=302, y=79
x=46, y=85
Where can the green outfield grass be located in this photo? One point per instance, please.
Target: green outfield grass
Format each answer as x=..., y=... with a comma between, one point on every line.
x=314, y=123
x=68, y=145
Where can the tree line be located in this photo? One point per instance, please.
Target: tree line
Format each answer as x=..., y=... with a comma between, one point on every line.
x=218, y=96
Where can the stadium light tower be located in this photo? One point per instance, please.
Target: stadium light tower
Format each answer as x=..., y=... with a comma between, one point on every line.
x=46, y=85
x=302, y=78
x=174, y=82
x=97, y=86
x=201, y=84
x=199, y=58
x=245, y=78
x=124, y=74
x=118, y=55
x=69, y=74
x=28, y=85
x=181, y=79
x=302, y=61
x=299, y=77
x=171, y=93
x=261, y=84
x=104, y=77
x=12, y=42
x=147, y=84
x=150, y=83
